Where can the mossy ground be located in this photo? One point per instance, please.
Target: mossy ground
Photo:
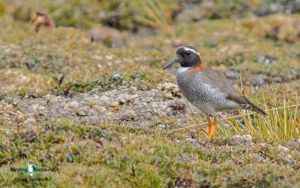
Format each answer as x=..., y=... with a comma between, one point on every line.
x=116, y=156
x=113, y=155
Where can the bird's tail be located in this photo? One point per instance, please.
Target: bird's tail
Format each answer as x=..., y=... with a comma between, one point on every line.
x=255, y=108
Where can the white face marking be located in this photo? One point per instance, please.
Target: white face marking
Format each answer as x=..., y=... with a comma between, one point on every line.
x=191, y=50
x=183, y=69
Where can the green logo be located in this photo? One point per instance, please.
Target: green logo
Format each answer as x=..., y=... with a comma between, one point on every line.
x=30, y=169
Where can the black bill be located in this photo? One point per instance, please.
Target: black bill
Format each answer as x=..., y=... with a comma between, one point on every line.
x=170, y=64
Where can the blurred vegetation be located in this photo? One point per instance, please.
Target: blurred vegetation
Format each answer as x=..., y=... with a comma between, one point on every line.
x=130, y=14
x=83, y=14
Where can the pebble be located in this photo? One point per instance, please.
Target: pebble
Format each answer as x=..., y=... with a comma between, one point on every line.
x=281, y=148
x=81, y=113
x=74, y=104
x=265, y=145
x=260, y=80
x=288, y=159
x=277, y=79
x=240, y=139
x=265, y=59
x=232, y=75
x=170, y=90
x=116, y=76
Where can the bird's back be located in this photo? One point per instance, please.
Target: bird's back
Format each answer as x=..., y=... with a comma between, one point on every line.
x=211, y=91
x=202, y=92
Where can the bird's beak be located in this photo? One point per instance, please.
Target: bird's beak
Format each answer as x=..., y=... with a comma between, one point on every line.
x=170, y=63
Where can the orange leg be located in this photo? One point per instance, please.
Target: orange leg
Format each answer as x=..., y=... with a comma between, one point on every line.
x=212, y=127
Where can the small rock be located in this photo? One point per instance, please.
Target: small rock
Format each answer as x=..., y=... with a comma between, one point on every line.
x=38, y=108
x=170, y=90
x=295, y=143
x=232, y=75
x=277, y=79
x=271, y=9
x=7, y=132
x=29, y=121
x=240, y=139
x=116, y=76
x=145, y=32
x=265, y=145
x=30, y=64
x=191, y=140
x=295, y=74
x=260, y=79
x=129, y=115
x=74, y=104
x=195, y=12
x=108, y=36
x=126, y=98
x=114, y=104
x=281, y=148
x=105, y=99
x=168, y=95
x=15, y=103
x=162, y=125
x=264, y=59
x=288, y=159
x=168, y=86
x=81, y=113
x=258, y=157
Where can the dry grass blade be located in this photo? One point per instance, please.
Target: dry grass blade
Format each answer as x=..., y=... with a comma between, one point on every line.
x=280, y=125
x=3, y=129
x=155, y=17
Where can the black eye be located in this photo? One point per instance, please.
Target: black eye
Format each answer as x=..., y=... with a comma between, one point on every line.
x=188, y=53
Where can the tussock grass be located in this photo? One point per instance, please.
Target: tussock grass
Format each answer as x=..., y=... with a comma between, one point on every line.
x=156, y=16
x=280, y=125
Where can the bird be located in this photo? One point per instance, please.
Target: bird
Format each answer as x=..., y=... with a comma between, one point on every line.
x=207, y=89
x=40, y=19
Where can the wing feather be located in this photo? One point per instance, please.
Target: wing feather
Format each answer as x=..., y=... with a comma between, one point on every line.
x=218, y=79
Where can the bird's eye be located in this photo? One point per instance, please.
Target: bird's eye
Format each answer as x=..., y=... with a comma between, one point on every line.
x=188, y=53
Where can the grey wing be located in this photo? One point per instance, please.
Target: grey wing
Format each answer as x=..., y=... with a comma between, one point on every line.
x=219, y=80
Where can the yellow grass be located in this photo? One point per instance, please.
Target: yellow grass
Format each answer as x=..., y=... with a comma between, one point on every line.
x=281, y=124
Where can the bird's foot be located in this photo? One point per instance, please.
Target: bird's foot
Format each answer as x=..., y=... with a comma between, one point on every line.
x=212, y=127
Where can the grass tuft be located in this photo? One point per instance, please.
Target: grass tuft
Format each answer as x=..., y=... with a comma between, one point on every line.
x=281, y=125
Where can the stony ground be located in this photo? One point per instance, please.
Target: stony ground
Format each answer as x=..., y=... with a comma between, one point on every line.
x=91, y=101
x=125, y=105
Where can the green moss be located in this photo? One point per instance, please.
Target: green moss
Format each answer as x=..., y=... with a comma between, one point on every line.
x=139, y=158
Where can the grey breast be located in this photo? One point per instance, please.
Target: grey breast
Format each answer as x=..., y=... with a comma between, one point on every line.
x=200, y=90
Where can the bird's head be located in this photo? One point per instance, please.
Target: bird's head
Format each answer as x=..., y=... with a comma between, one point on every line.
x=186, y=56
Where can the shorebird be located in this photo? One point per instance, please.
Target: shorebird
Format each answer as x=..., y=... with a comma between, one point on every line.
x=207, y=89
x=41, y=20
